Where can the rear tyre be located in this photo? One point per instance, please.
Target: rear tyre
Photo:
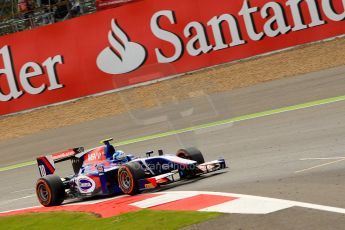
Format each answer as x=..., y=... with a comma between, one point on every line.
x=128, y=177
x=191, y=154
x=50, y=190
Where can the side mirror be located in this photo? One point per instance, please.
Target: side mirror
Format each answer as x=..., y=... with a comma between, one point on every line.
x=148, y=154
x=78, y=149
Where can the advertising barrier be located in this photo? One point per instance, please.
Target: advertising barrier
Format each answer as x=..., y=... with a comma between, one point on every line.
x=151, y=39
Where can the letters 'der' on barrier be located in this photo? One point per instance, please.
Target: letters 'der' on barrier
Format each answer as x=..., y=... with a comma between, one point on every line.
x=151, y=39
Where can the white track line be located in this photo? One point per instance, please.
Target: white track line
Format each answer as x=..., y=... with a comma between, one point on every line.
x=23, y=190
x=13, y=200
x=321, y=165
x=322, y=158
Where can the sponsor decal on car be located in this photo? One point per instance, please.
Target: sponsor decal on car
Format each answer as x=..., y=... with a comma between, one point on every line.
x=149, y=185
x=86, y=184
x=100, y=169
x=61, y=155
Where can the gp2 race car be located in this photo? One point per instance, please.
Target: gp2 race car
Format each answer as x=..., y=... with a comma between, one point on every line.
x=95, y=175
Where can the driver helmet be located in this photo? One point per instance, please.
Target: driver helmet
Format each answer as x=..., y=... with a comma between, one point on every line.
x=119, y=155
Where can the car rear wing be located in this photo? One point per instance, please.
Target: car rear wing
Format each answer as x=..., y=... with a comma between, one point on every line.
x=46, y=164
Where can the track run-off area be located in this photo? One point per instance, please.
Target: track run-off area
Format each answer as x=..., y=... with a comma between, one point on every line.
x=283, y=141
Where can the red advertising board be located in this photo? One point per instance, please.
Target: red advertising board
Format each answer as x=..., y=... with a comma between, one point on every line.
x=151, y=39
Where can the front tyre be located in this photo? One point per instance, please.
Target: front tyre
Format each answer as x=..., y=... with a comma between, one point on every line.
x=191, y=154
x=50, y=190
x=128, y=177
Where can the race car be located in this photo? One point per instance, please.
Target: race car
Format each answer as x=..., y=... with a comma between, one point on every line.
x=96, y=174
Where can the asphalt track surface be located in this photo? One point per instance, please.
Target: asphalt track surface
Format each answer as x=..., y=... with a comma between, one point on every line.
x=269, y=156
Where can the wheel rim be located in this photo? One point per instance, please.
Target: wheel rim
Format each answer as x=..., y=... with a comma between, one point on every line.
x=126, y=181
x=43, y=193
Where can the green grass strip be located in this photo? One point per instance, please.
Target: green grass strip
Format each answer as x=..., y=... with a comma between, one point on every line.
x=144, y=219
x=212, y=124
